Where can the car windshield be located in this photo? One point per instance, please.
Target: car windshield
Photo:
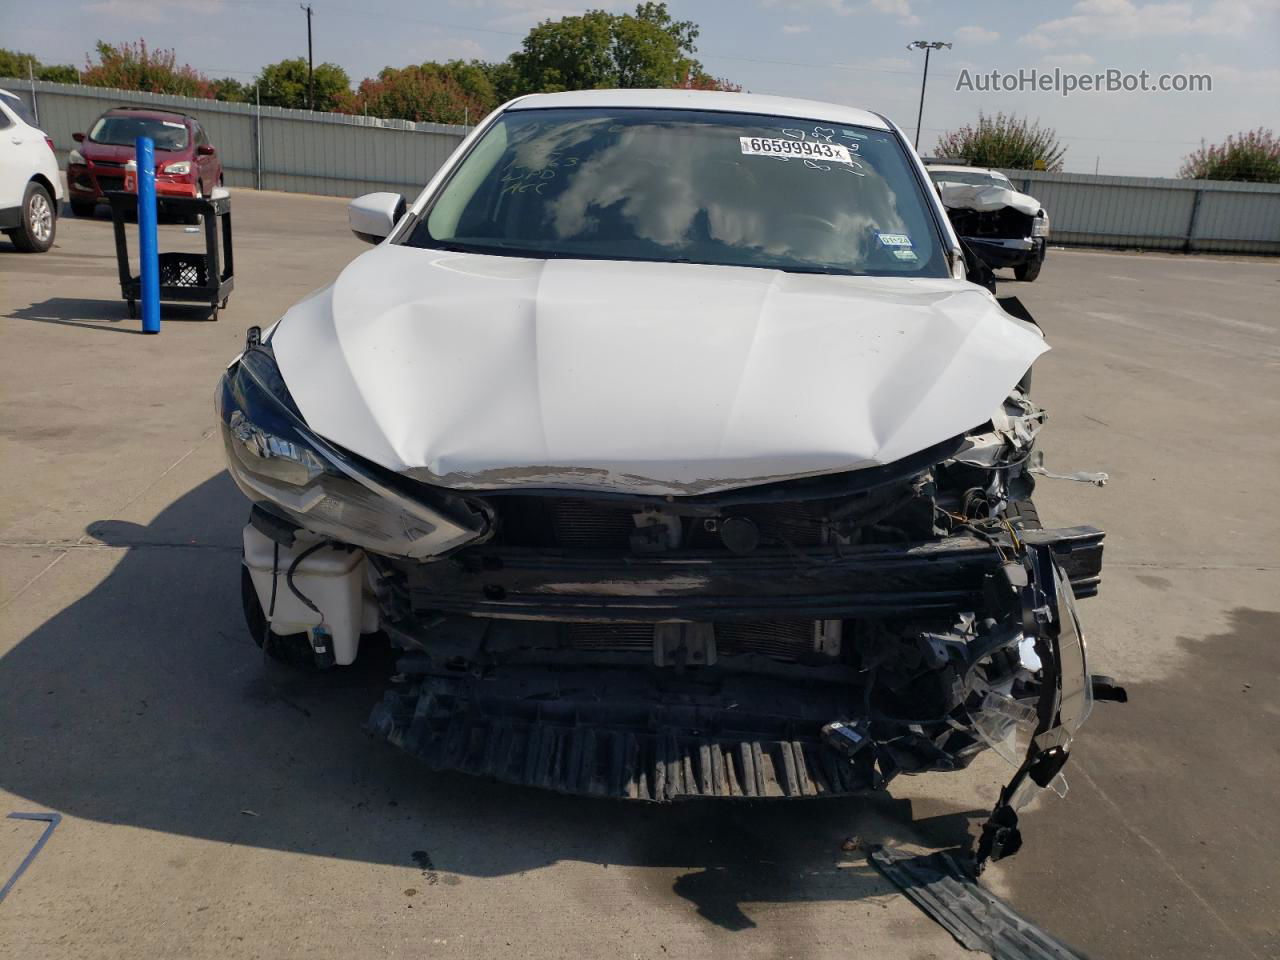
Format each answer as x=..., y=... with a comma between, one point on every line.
x=123, y=131
x=686, y=186
x=974, y=177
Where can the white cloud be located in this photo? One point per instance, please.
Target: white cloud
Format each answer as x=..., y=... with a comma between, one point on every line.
x=795, y=28
x=1068, y=60
x=896, y=8
x=137, y=10
x=1125, y=18
x=976, y=35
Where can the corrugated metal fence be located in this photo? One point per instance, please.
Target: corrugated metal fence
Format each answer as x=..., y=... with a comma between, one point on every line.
x=303, y=152
x=1155, y=213
x=270, y=148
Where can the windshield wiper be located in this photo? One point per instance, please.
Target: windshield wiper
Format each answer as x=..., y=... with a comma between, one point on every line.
x=494, y=249
x=829, y=271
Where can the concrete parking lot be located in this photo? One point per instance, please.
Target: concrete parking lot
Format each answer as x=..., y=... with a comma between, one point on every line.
x=216, y=805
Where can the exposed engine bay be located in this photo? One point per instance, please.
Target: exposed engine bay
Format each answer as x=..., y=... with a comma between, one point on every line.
x=806, y=638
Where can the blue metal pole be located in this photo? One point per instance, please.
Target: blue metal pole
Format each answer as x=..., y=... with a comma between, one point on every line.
x=148, y=254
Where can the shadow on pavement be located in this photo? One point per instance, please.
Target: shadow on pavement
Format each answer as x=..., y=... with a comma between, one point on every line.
x=145, y=703
x=104, y=314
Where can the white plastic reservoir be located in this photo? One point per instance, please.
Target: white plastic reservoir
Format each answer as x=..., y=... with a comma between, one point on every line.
x=334, y=579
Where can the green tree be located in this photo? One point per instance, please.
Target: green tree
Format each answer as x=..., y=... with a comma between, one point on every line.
x=503, y=78
x=427, y=92
x=132, y=66
x=1004, y=141
x=58, y=73
x=284, y=84
x=22, y=65
x=1253, y=155
x=15, y=64
x=230, y=89
x=598, y=49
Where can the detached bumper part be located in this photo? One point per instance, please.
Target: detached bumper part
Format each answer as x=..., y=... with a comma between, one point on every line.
x=1065, y=703
x=978, y=919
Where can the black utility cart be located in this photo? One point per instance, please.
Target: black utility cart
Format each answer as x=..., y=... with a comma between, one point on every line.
x=187, y=277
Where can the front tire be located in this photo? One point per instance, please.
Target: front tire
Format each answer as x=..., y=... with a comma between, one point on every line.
x=39, y=221
x=1026, y=272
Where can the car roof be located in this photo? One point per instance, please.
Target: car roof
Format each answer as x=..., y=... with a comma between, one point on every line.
x=153, y=113
x=704, y=100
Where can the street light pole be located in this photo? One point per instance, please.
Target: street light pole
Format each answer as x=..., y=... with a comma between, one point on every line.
x=311, y=88
x=926, y=46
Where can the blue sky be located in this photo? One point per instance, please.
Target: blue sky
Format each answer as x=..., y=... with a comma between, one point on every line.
x=848, y=51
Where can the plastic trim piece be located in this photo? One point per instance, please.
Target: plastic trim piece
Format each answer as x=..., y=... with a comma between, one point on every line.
x=977, y=918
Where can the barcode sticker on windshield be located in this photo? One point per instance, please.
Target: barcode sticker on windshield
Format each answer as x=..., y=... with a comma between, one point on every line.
x=808, y=149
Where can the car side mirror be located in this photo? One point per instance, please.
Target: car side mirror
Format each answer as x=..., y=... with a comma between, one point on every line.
x=78, y=137
x=205, y=150
x=373, y=216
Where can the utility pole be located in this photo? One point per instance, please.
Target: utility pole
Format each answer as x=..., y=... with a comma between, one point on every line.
x=311, y=86
x=926, y=46
x=31, y=80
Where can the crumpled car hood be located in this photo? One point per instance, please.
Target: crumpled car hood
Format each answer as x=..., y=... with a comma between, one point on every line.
x=479, y=372
x=969, y=196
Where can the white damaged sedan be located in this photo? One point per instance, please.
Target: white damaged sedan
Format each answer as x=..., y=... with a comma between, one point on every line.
x=666, y=438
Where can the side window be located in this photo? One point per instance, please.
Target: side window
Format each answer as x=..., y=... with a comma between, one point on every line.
x=202, y=139
x=5, y=122
x=21, y=111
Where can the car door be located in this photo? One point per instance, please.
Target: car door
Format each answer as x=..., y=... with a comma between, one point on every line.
x=18, y=157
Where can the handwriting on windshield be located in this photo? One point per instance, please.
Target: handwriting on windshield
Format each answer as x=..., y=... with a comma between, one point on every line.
x=519, y=178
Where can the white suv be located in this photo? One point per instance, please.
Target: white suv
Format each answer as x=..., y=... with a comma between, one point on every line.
x=30, y=186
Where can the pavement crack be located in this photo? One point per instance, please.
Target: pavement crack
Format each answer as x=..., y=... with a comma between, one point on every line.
x=67, y=546
x=23, y=589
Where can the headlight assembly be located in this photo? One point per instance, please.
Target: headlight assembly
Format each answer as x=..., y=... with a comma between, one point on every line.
x=1040, y=225
x=273, y=456
x=178, y=167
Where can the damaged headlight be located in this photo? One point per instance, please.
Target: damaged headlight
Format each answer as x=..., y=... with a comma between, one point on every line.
x=273, y=456
x=1040, y=225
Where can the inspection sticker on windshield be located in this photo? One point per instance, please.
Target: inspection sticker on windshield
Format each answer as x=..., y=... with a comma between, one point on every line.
x=894, y=239
x=808, y=149
x=171, y=123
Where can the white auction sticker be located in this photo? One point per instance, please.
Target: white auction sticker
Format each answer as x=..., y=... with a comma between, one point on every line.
x=807, y=149
x=895, y=239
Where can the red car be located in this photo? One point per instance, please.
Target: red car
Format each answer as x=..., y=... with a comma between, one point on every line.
x=187, y=164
